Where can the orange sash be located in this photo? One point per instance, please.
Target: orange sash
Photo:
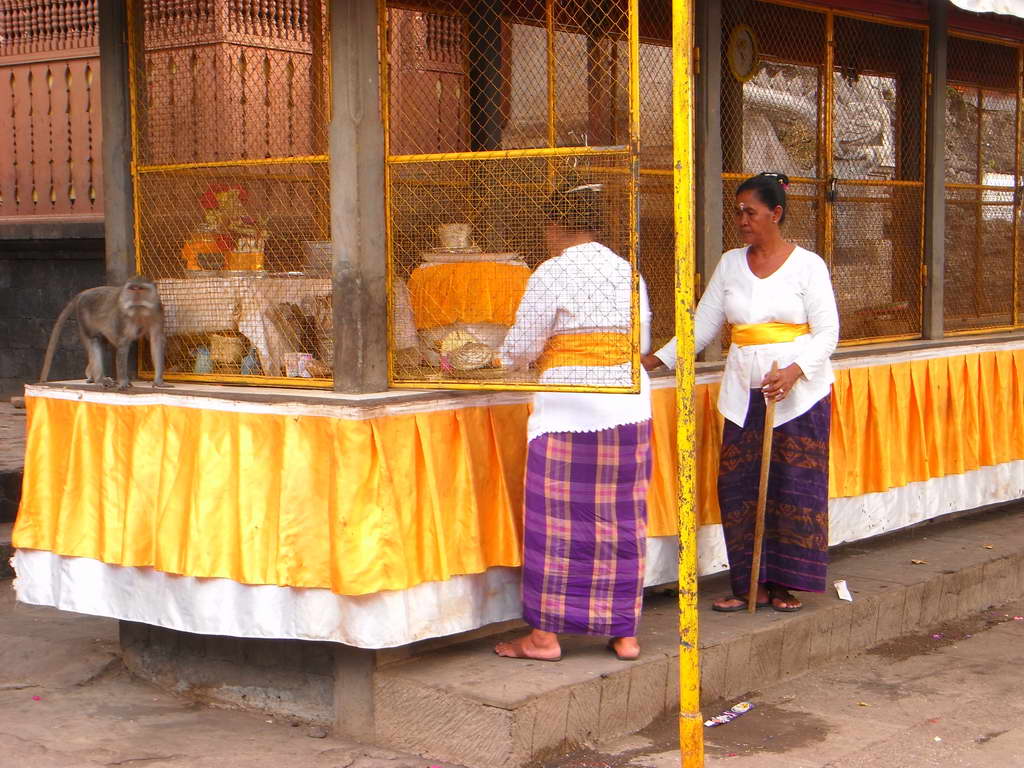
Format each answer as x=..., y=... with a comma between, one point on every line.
x=750, y=334
x=601, y=348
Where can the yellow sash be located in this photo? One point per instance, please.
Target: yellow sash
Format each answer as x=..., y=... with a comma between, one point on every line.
x=746, y=335
x=599, y=348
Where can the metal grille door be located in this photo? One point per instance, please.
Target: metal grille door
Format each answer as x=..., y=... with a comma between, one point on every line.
x=851, y=142
x=982, y=269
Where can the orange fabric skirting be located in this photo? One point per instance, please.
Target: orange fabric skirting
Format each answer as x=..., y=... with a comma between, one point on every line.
x=361, y=506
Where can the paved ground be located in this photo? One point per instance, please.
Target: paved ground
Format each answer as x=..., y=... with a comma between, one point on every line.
x=950, y=698
x=66, y=702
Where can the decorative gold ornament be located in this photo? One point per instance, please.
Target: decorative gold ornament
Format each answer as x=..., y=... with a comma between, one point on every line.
x=743, y=53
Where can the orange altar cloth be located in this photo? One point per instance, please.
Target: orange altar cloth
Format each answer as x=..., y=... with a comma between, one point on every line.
x=270, y=495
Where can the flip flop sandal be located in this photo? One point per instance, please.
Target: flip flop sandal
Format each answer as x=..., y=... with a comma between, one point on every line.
x=737, y=608
x=611, y=649
x=786, y=597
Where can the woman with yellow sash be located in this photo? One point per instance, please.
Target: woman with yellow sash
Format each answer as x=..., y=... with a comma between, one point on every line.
x=779, y=301
x=589, y=456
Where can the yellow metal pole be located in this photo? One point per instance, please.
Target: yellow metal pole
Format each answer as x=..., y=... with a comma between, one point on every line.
x=691, y=733
x=633, y=21
x=827, y=207
x=549, y=28
x=1018, y=259
x=136, y=56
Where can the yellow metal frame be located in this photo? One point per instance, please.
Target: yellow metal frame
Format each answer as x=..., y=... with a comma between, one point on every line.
x=630, y=151
x=691, y=726
x=290, y=160
x=1018, y=263
x=509, y=154
x=634, y=183
x=138, y=170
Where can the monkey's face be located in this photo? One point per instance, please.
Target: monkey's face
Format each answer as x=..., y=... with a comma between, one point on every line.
x=139, y=294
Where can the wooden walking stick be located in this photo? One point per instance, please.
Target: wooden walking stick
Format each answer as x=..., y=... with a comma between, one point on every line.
x=762, y=498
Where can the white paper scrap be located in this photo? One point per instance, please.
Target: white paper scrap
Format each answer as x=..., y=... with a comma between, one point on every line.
x=843, y=591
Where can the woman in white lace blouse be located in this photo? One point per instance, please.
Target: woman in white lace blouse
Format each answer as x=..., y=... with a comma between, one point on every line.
x=779, y=301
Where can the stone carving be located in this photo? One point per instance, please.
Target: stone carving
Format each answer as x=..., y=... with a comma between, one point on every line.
x=780, y=111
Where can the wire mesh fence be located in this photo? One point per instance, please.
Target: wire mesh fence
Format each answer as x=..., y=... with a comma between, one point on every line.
x=878, y=161
x=491, y=110
x=656, y=238
x=512, y=181
x=230, y=108
x=983, y=176
x=851, y=143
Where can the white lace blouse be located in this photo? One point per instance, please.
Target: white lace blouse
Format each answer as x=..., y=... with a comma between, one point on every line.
x=585, y=289
x=800, y=291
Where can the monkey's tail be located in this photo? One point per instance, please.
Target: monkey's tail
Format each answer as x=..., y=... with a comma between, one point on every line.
x=54, y=336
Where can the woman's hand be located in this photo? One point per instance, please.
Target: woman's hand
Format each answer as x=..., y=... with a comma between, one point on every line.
x=777, y=385
x=651, y=362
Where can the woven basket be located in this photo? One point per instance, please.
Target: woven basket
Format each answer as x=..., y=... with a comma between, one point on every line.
x=471, y=357
x=226, y=350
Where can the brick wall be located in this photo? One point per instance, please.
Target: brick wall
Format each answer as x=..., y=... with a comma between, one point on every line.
x=37, y=278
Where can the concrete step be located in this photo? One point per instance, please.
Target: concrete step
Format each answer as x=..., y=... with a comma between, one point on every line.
x=465, y=705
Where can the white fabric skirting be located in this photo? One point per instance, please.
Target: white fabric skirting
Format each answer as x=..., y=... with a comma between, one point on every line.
x=225, y=607
x=388, y=619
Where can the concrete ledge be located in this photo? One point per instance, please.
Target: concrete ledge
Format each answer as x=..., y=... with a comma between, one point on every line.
x=51, y=228
x=288, y=678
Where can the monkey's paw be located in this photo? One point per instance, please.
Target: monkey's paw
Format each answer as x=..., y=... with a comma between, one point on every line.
x=106, y=382
x=124, y=386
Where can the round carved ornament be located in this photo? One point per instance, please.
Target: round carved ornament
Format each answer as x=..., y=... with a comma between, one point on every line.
x=742, y=53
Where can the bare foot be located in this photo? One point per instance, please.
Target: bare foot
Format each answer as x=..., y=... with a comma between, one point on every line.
x=538, y=645
x=625, y=648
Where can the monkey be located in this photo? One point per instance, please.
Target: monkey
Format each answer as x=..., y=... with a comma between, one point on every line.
x=120, y=315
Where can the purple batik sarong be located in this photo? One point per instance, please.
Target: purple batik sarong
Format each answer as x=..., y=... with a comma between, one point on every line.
x=795, y=554
x=585, y=534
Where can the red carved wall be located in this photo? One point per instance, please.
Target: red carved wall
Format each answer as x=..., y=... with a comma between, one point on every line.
x=50, y=110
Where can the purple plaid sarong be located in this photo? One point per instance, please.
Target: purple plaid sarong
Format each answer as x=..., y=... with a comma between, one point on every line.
x=585, y=530
x=795, y=554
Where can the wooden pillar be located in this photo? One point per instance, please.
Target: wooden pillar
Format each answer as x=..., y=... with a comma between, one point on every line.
x=356, y=146
x=709, y=149
x=485, y=74
x=935, y=175
x=118, y=195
